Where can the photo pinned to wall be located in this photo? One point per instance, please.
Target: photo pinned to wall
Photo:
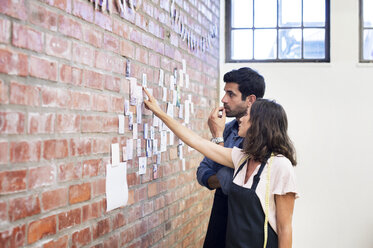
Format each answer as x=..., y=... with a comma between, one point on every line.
x=130, y=121
x=129, y=150
x=126, y=107
x=155, y=171
x=115, y=154
x=138, y=147
x=161, y=78
x=121, y=124
x=142, y=165
x=116, y=186
x=149, y=148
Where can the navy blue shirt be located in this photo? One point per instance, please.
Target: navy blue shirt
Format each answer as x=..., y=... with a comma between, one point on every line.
x=208, y=167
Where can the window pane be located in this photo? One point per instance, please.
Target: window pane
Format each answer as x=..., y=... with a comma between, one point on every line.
x=290, y=43
x=265, y=43
x=368, y=13
x=242, y=44
x=265, y=13
x=313, y=13
x=368, y=45
x=314, y=43
x=290, y=13
x=242, y=13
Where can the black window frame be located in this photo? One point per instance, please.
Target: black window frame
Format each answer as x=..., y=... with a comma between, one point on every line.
x=228, y=32
x=361, y=34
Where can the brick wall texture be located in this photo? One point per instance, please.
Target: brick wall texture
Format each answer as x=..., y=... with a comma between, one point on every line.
x=62, y=86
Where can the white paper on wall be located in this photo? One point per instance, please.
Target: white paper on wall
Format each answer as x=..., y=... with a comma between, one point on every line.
x=186, y=117
x=181, y=78
x=144, y=80
x=183, y=164
x=156, y=121
x=172, y=82
x=121, y=124
x=172, y=138
x=133, y=90
x=149, y=148
x=174, y=97
x=130, y=121
x=138, y=113
x=170, y=110
x=134, y=131
x=115, y=154
x=146, y=130
x=155, y=146
x=142, y=165
x=163, y=141
x=155, y=171
x=161, y=77
x=126, y=107
x=138, y=147
x=124, y=154
x=181, y=108
x=184, y=65
x=129, y=150
x=180, y=151
x=116, y=186
x=152, y=131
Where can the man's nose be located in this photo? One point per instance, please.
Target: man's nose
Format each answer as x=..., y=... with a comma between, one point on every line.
x=224, y=99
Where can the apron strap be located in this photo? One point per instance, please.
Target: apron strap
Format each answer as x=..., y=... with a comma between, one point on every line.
x=241, y=166
x=257, y=176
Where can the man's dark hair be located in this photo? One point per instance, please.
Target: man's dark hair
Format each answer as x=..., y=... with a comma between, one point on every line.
x=249, y=82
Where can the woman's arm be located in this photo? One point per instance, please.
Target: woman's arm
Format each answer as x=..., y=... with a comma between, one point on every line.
x=219, y=154
x=284, y=214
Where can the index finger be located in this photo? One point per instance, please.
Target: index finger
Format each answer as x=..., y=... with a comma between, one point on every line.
x=146, y=91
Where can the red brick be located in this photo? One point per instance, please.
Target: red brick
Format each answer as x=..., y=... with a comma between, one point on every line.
x=110, y=124
x=91, y=124
x=127, y=49
x=92, y=211
x=91, y=167
x=79, y=193
x=42, y=17
x=41, y=68
x=24, y=94
x=102, y=227
x=71, y=75
x=152, y=189
x=82, y=237
x=3, y=152
x=58, y=46
x=80, y=100
x=127, y=236
x=12, y=122
x=120, y=28
x=4, y=30
x=117, y=104
x=16, y=9
x=110, y=62
x=25, y=151
x=52, y=97
x=111, y=43
x=41, y=228
x=154, y=60
x=80, y=146
x=112, y=242
x=41, y=176
x=103, y=20
x=69, y=171
x=13, y=63
x=100, y=102
x=101, y=145
x=98, y=187
x=83, y=54
x=61, y=4
x=28, y=38
x=112, y=83
x=119, y=220
x=92, y=36
x=59, y=243
x=93, y=79
x=67, y=123
x=41, y=123
x=55, y=149
x=142, y=55
x=83, y=10
x=23, y=207
x=70, y=27
x=70, y=218
x=14, y=237
x=173, y=153
x=54, y=198
x=4, y=91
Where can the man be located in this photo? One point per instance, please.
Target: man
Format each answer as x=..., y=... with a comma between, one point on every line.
x=242, y=88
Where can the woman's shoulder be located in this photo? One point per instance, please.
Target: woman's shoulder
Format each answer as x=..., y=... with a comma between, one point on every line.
x=282, y=163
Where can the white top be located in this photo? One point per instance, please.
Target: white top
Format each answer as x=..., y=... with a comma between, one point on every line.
x=282, y=181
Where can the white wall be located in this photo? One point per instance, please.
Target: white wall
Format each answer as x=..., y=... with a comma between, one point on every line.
x=329, y=107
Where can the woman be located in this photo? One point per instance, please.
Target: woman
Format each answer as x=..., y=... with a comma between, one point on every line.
x=262, y=192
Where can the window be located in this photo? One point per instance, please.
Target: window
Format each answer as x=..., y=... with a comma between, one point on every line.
x=366, y=30
x=277, y=30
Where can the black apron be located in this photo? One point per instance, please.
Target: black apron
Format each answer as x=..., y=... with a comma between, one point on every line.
x=245, y=227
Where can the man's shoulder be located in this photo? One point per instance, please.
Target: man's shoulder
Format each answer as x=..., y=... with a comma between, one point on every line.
x=231, y=124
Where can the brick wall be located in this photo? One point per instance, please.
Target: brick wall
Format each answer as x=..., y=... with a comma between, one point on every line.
x=62, y=86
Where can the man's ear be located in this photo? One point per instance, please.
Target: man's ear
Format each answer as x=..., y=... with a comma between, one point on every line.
x=250, y=100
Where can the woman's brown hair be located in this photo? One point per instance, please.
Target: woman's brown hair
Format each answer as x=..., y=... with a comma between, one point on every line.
x=268, y=132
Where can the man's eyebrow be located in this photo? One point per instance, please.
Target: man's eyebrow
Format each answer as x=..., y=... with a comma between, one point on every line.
x=229, y=91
